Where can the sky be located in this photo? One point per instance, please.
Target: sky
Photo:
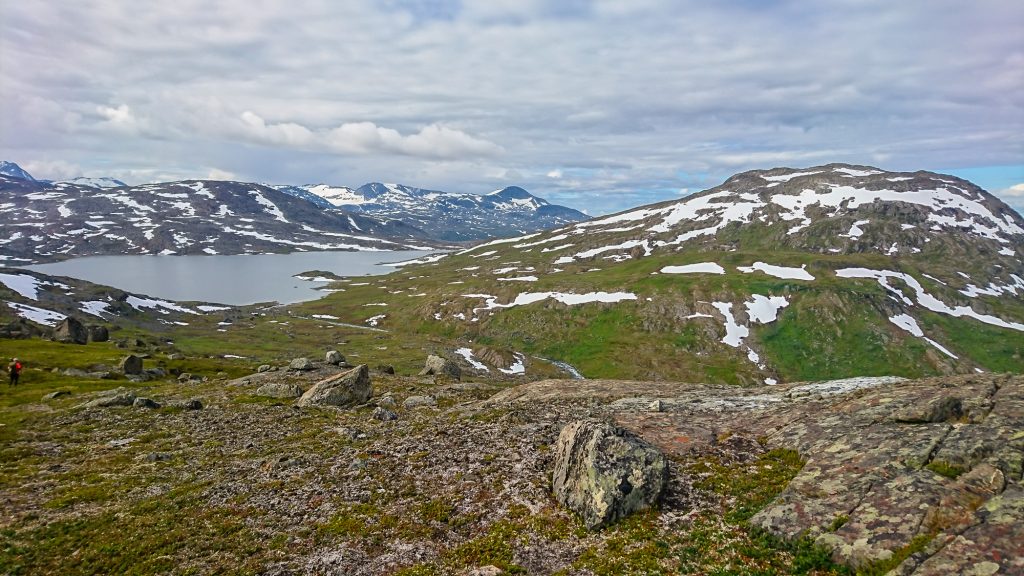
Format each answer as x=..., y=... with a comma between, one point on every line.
x=599, y=105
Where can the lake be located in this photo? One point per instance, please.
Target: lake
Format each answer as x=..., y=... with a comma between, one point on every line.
x=242, y=279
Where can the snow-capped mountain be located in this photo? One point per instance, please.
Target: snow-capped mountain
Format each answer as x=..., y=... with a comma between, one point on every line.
x=447, y=216
x=775, y=275
x=14, y=171
x=103, y=182
x=43, y=221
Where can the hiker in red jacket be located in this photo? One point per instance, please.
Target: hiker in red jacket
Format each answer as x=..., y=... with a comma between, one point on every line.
x=15, y=369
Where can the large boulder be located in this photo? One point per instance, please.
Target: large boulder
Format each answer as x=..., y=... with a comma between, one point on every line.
x=98, y=334
x=604, y=473
x=346, y=389
x=130, y=365
x=71, y=331
x=334, y=357
x=439, y=366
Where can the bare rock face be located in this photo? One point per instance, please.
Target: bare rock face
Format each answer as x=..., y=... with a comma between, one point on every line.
x=346, y=389
x=71, y=331
x=604, y=473
x=438, y=366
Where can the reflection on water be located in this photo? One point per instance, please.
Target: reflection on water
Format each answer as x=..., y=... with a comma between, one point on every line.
x=243, y=279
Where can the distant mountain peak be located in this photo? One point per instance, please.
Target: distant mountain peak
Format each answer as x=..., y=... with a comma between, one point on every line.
x=101, y=182
x=14, y=171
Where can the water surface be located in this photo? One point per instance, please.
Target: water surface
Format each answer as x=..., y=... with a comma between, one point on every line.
x=242, y=279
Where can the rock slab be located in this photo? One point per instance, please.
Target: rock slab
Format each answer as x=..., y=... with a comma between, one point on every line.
x=346, y=389
x=604, y=473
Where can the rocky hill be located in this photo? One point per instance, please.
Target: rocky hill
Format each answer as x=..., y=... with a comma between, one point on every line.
x=776, y=275
x=49, y=221
x=447, y=216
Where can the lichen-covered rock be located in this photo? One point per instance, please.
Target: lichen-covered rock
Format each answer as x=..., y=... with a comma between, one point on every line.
x=438, y=366
x=604, y=473
x=279, y=390
x=334, y=357
x=417, y=401
x=130, y=365
x=264, y=368
x=301, y=365
x=118, y=397
x=345, y=389
x=940, y=409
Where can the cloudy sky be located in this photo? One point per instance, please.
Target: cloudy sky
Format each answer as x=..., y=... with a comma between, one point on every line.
x=596, y=104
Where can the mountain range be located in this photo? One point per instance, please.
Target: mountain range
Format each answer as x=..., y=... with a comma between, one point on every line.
x=46, y=220
x=775, y=275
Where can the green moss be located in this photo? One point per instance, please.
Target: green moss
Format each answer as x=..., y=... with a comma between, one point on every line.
x=943, y=468
x=752, y=487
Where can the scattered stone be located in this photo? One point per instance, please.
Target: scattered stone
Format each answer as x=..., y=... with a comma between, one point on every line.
x=346, y=389
x=145, y=403
x=941, y=409
x=188, y=378
x=385, y=369
x=130, y=364
x=302, y=365
x=279, y=390
x=488, y=570
x=438, y=366
x=264, y=368
x=176, y=356
x=71, y=331
x=334, y=357
x=98, y=334
x=56, y=394
x=159, y=457
x=156, y=372
x=604, y=473
x=386, y=402
x=384, y=415
x=417, y=401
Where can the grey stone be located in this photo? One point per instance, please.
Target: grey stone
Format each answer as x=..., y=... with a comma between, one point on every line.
x=264, y=368
x=301, y=364
x=176, y=356
x=384, y=415
x=417, y=401
x=438, y=366
x=98, y=334
x=334, y=357
x=56, y=394
x=279, y=390
x=118, y=397
x=385, y=369
x=193, y=404
x=145, y=403
x=386, y=402
x=346, y=389
x=156, y=372
x=71, y=331
x=130, y=364
x=604, y=473
x=158, y=457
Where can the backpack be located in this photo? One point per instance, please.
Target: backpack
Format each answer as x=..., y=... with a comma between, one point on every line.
x=17, y=368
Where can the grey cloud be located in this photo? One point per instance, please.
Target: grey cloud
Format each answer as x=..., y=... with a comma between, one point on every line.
x=621, y=96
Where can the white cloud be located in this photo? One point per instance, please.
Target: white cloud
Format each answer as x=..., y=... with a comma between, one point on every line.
x=1015, y=191
x=623, y=96
x=555, y=174
x=51, y=169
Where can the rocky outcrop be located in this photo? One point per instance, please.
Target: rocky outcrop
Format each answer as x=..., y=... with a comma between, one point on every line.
x=71, y=331
x=604, y=473
x=346, y=389
x=438, y=366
